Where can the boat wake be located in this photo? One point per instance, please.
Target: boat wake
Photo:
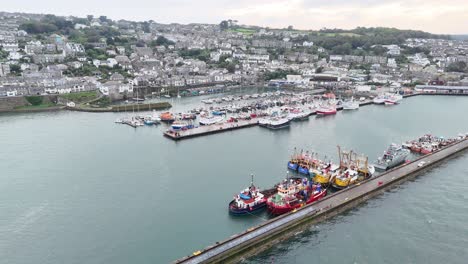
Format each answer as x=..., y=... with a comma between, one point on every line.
x=28, y=218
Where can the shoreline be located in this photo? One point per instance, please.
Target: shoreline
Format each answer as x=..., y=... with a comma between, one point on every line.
x=152, y=106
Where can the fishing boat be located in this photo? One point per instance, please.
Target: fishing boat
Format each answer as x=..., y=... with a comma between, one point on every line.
x=210, y=120
x=326, y=110
x=390, y=101
x=298, y=114
x=218, y=112
x=415, y=148
x=350, y=105
x=181, y=125
x=250, y=200
x=167, y=117
x=207, y=101
x=294, y=193
x=380, y=99
x=188, y=116
x=392, y=157
x=305, y=163
x=324, y=173
x=148, y=122
x=353, y=169
x=426, y=148
x=293, y=163
x=275, y=122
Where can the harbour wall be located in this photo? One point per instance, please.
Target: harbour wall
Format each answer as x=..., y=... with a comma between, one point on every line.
x=263, y=236
x=124, y=108
x=12, y=103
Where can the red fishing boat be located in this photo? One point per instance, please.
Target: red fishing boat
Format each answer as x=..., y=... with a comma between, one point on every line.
x=293, y=194
x=426, y=149
x=326, y=111
x=415, y=148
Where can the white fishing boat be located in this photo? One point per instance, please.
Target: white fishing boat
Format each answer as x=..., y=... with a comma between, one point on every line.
x=210, y=120
x=275, y=122
x=350, y=105
x=380, y=99
x=207, y=101
x=298, y=114
x=181, y=125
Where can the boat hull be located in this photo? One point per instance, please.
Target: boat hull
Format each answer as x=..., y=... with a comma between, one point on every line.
x=303, y=170
x=293, y=166
x=244, y=211
x=387, y=166
x=276, y=209
x=326, y=112
x=276, y=126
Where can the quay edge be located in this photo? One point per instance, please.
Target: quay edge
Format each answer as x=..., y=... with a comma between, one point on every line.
x=317, y=212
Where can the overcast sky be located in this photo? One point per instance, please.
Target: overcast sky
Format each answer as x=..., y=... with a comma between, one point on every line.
x=447, y=17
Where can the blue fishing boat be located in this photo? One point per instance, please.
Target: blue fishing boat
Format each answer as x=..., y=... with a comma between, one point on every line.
x=292, y=165
x=303, y=170
x=218, y=112
x=148, y=122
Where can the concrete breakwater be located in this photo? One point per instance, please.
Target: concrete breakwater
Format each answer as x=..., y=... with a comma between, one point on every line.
x=263, y=236
x=124, y=108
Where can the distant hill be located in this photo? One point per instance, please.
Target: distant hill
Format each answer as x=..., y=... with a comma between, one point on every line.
x=459, y=37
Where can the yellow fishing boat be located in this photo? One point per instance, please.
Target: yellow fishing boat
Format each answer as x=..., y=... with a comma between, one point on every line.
x=324, y=175
x=354, y=169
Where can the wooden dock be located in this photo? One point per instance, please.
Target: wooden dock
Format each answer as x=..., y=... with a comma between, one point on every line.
x=263, y=236
x=210, y=129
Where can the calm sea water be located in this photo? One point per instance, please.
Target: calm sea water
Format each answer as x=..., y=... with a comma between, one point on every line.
x=77, y=188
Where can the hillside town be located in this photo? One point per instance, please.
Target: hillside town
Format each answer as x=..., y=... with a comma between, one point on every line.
x=46, y=54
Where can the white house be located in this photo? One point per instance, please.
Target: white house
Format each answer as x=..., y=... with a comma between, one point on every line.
x=12, y=93
x=111, y=62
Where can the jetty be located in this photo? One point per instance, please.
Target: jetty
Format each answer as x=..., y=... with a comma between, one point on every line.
x=210, y=129
x=226, y=126
x=263, y=236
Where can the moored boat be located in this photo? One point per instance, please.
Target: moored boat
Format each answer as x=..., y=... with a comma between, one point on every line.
x=188, y=116
x=353, y=169
x=324, y=174
x=350, y=105
x=181, y=125
x=293, y=194
x=392, y=157
x=250, y=200
x=210, y=120
x=326, y=110
x=167, y=117
x=298, y=114
x=275, y=123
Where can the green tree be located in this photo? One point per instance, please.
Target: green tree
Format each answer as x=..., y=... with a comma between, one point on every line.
x=15, y=69
x=161, y=41
x=459, y=66
x=379, y=50
x=224, y=25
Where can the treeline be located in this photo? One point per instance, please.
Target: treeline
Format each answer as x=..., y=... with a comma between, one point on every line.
x=48, y=24
x=279, y=74
x=394, y=32
x=363, y=40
